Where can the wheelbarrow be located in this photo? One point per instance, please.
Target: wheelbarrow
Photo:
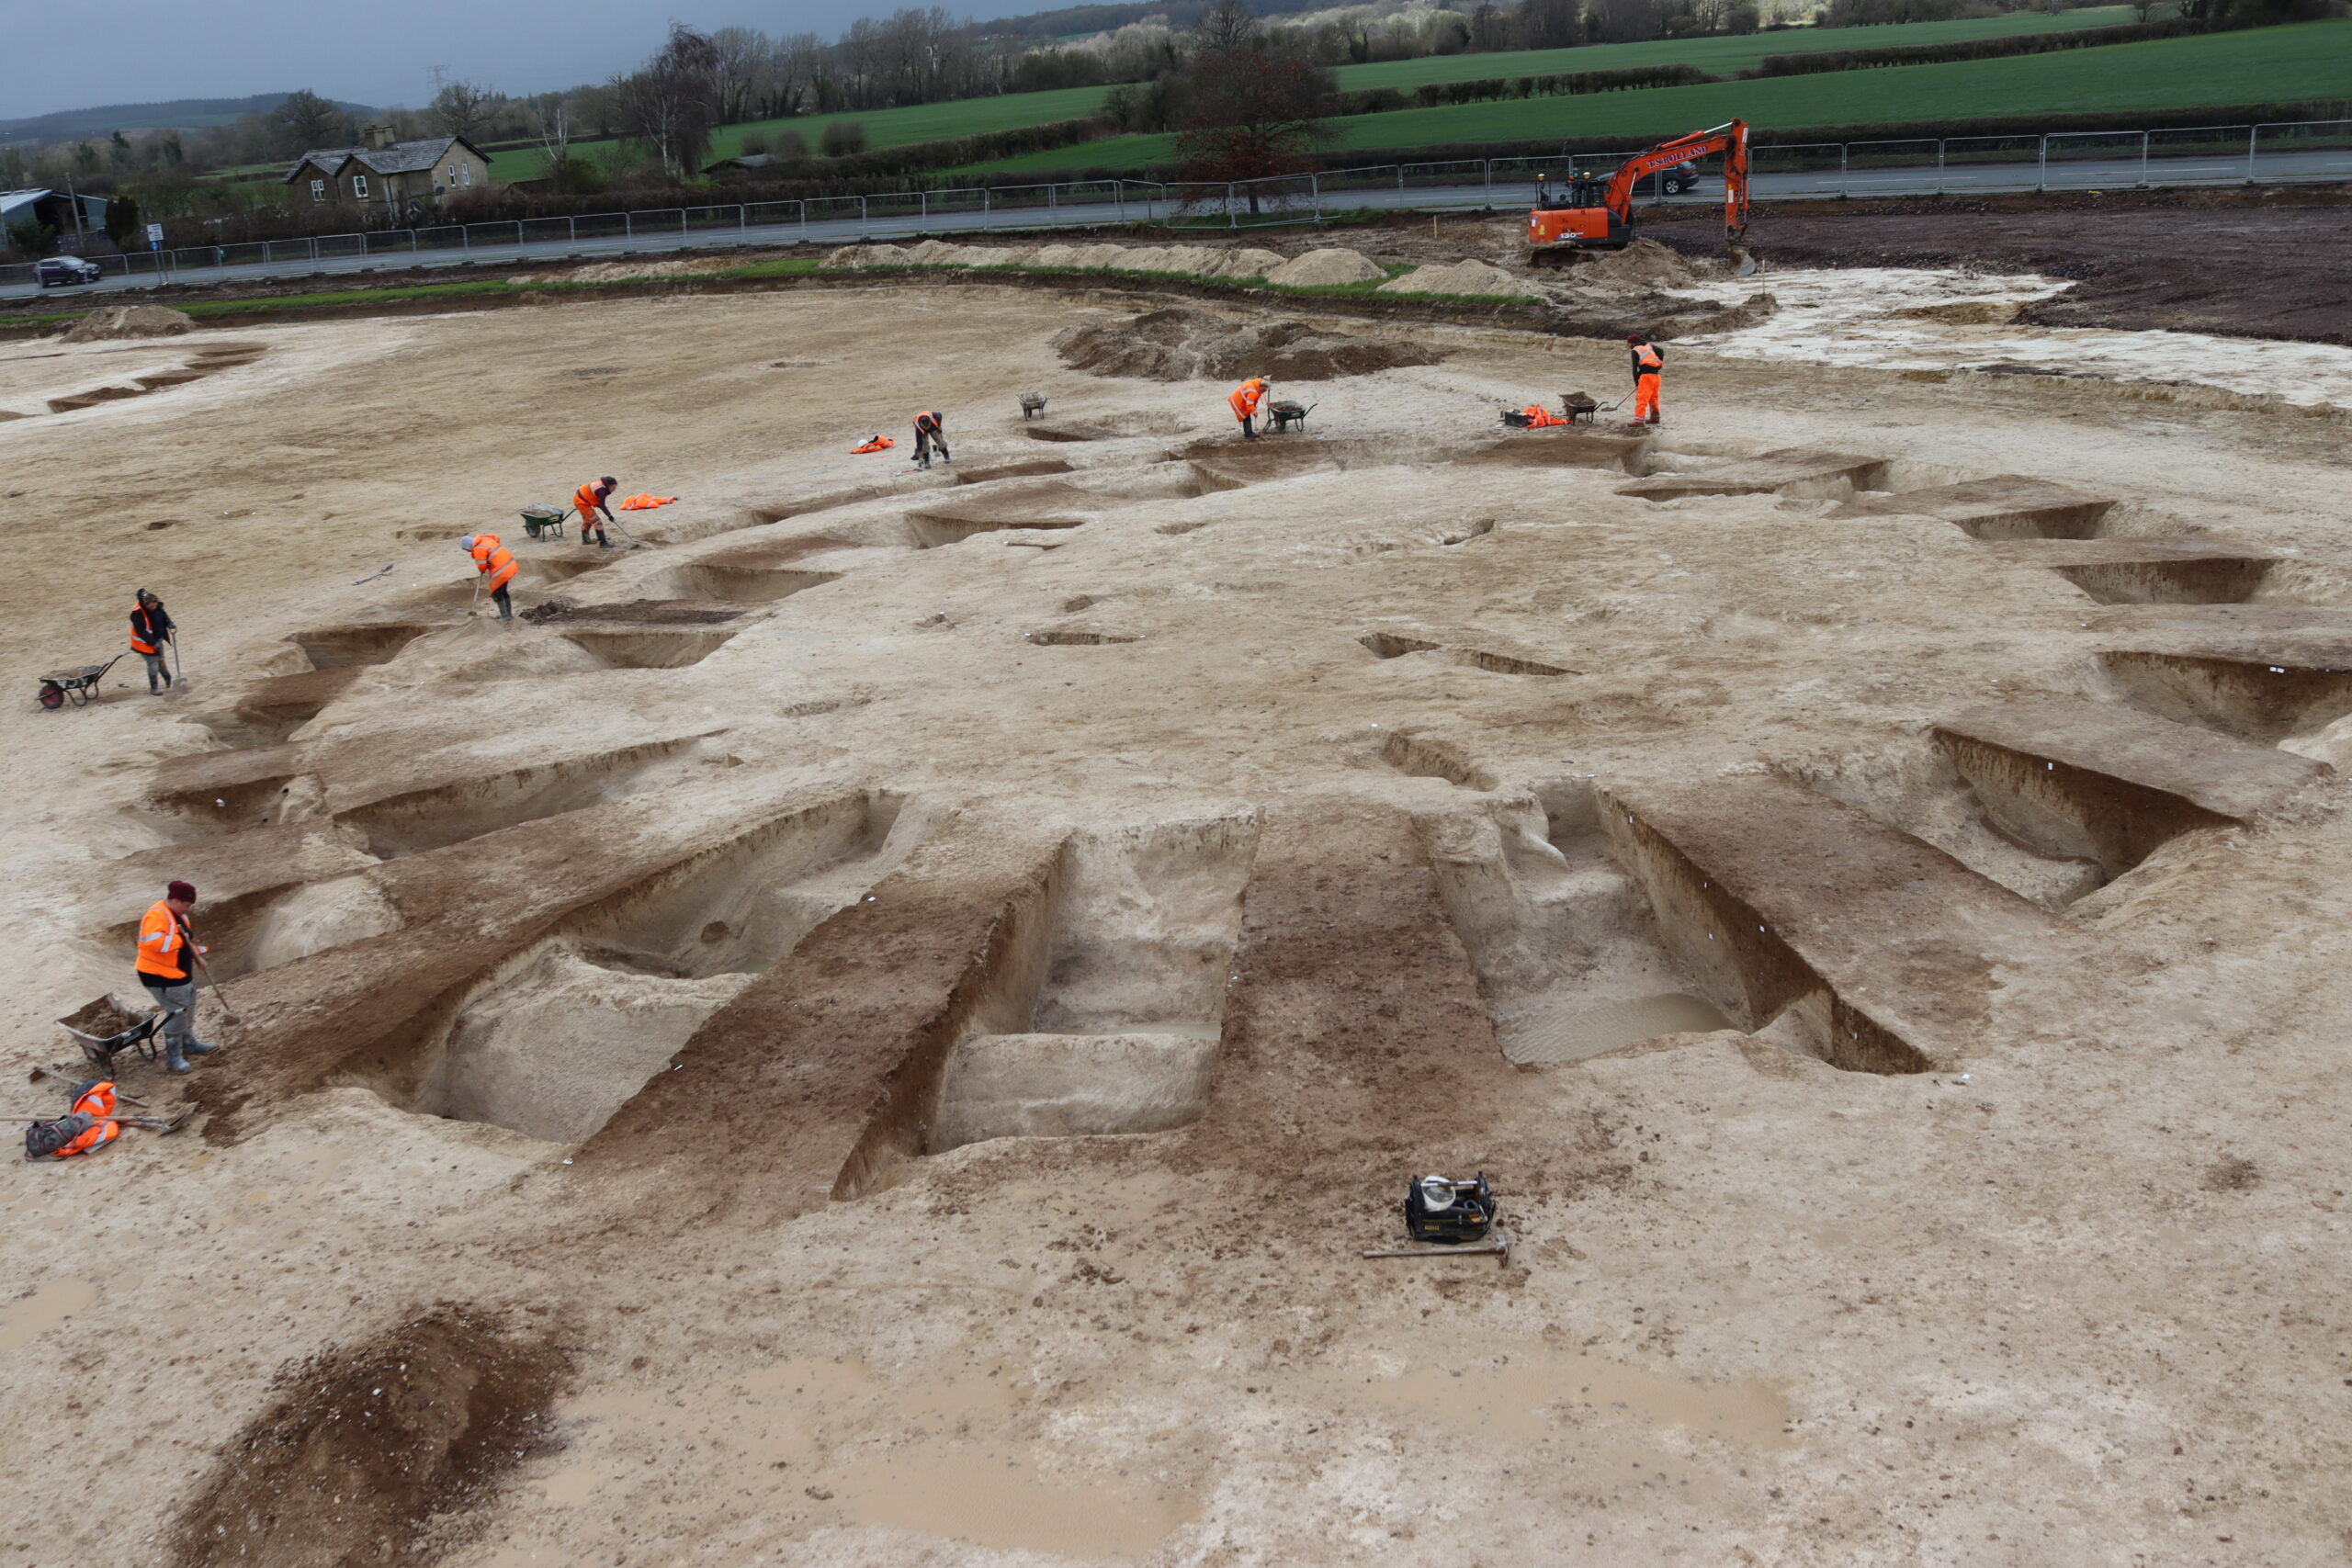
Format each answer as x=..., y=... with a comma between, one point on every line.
x=105, y=1027
x=78, y=686
x=544, y=522
x=1285, y=414
x=1032, y=403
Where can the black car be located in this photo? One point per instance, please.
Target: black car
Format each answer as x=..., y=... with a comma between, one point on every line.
x=50, y=271
x=1667, y=182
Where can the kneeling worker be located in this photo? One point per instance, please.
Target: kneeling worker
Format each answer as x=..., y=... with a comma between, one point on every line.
x=588, y=500
x=1244, y=400
x=930, y=432
x=1649, y=362
x=496, y=561
x=166, y=948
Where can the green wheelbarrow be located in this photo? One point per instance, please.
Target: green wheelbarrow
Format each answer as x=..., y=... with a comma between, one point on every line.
x=545, y=521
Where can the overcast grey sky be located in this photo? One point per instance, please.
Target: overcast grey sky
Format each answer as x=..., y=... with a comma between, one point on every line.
x=63, y=55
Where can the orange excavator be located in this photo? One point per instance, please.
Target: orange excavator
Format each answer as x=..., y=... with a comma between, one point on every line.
x=1594, y=213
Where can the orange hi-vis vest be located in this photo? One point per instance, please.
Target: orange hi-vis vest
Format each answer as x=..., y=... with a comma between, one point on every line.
x=928, y=422
x=1647, y=360
x=1243, y=399
x=585, y=500
x=495, y=558
x=97, y=1102
x=144, y=637
x=163, y=944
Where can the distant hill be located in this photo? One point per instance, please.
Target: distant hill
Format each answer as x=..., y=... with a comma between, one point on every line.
x=188, y=114
x=1080, y=22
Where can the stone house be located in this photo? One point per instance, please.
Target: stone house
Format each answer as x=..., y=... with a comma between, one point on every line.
x=400, y=179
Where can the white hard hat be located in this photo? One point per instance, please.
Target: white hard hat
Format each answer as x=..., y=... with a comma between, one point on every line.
x=467, y=543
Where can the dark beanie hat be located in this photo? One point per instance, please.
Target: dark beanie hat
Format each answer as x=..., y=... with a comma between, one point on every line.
x=184, y=891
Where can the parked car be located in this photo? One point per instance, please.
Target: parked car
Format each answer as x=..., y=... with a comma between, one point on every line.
x=1667, y=182
x=52, y=271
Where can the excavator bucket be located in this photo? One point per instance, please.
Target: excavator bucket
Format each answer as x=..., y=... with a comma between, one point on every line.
x=1744, y=263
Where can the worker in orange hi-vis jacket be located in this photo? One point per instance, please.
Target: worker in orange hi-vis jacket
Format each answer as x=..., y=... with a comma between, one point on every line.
x=1244, y=400
x=588, y=500
x=168, y=959
x=1649, y=363
x=494, y=561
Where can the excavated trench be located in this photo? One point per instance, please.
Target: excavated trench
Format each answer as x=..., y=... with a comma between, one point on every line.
x=558, y=1038
x=277, y=925
x=1426, y=757
x=431, y=819
x=2069, y=813
x=725, y=582
x=2228, y=580
x=1568, y=957
x=369, y=643
x=273, y=708
x=2244, y=696
x=1102, y=1012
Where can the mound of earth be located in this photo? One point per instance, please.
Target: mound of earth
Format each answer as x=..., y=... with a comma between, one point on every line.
x=1712, y=317
x=1323, y=268
x=1182, y=345
x=1645, y=263
x=625, y=271
x=1193, y=261
x=1470, y=276
x=364, y=1444
x=128, y=321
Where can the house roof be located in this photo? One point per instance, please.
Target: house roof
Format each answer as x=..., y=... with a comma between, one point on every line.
x=400, y=158
x=16, y=202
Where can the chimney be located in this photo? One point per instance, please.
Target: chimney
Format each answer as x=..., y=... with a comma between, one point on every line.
x=379, y=136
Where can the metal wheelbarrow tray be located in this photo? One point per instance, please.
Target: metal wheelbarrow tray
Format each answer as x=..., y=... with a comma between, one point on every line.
x=105, y=1027
x=544, y=522
x=78, y=685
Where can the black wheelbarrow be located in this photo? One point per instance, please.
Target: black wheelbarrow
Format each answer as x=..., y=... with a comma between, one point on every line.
x=1286, y=413
x=1032, y=403
x=78, y=686
x=105, y=1028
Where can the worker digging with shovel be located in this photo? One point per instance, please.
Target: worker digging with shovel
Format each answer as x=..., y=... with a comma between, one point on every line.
x=1244, y=400
x=167, y=949
x=494, y=563
x=1649, y=366
x=589, y=501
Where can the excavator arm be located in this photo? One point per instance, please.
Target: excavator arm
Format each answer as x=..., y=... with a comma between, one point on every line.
x=1729, y=139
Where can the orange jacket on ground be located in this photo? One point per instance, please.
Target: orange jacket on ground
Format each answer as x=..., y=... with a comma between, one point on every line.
x=163, y=944
x=494, y=559
x=879, y=444
x=645, y=503
x=1538, y=416
x=147, y=629
x=586, y=499
x=1244, y=398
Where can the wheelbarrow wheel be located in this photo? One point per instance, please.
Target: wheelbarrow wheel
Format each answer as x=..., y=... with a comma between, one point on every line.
x=52, y=695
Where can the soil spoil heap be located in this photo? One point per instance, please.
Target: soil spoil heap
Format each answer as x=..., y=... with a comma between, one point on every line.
x=1181, y=344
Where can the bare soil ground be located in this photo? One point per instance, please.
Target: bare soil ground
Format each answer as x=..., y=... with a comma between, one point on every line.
x=2243, y=269
x=1259, y=827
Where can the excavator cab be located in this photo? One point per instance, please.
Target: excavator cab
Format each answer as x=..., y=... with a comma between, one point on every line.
x=1574, y=212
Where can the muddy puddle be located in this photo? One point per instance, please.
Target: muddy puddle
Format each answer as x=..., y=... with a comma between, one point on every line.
x=1930, y=319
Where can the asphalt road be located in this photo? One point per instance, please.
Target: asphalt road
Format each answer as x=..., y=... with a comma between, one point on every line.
x=2109, y=173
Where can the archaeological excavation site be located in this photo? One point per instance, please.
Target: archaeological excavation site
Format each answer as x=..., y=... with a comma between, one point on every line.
x=889, y=1016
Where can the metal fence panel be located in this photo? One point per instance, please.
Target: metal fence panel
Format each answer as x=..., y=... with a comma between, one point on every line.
x=2305, y=150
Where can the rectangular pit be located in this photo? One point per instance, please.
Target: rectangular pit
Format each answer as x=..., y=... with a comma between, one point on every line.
x=1576, y=447
x=1776, y=900
x=2148, y=572
x=2094, y=780
x=2008, y=506
x=2264, y=672
x=1799, y=471
x=433, y=816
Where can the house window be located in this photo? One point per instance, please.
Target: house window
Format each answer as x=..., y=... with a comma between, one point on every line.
x=449, y=176
x=318, y=190
x=359, y=187
x=465, y=174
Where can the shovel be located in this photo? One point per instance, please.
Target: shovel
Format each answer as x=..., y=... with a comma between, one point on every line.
x=374, y=575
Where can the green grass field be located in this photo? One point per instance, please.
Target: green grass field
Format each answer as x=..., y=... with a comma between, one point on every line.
x=1718, y=56
x=2310, y=59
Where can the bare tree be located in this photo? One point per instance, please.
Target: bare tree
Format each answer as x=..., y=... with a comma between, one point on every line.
x=739, y=64
x=1549, y=24
x=668, y=104
x=1250, y=112
x=794, y=61
x=306, y=121
x=1228, y=26
x=462, y=108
